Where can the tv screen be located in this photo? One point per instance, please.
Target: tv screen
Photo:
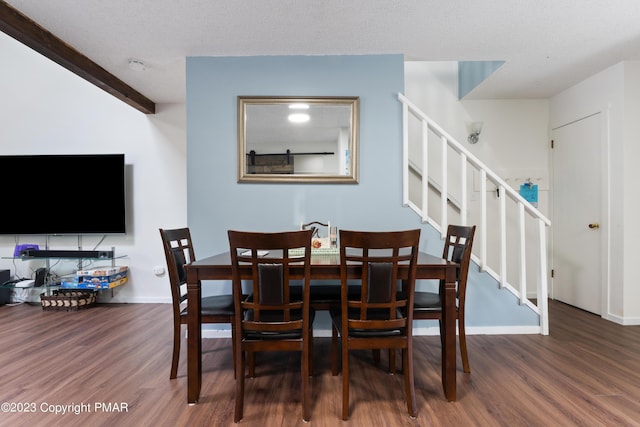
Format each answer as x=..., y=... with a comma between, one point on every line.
x=63, y=194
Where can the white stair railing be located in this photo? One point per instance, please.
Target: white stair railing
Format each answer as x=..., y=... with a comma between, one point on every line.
x=526, y=215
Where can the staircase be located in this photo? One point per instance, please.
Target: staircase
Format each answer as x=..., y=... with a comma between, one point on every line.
x=511, y=234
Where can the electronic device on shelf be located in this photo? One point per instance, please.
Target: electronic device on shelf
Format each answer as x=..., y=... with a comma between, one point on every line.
x=27, y=283
x=41, y=276
x=19, y=249
x=52, y=253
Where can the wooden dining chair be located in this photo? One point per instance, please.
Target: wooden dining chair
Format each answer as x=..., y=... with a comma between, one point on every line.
x=178, y=250
x=380, y=317
x=428, y=305
x=270, y=319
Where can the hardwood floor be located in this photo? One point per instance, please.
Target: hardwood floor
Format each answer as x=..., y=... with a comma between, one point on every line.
x=585, y=373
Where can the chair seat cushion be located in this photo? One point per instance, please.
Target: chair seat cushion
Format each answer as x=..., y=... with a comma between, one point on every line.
x=276, y=317
x=325, y=293
x=336, y=318
x=426, y=301
x=215, y=305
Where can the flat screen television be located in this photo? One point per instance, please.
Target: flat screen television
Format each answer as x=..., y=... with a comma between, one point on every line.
x=63, y=194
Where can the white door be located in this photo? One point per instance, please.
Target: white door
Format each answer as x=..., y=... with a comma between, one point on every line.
x=577, y=250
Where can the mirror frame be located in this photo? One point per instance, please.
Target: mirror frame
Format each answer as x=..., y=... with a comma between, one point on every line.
x=244, y=176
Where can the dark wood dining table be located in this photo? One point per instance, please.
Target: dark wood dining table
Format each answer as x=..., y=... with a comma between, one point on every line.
x=323, y=267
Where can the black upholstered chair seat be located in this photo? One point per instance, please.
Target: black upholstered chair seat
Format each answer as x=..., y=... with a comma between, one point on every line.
x=277, y=317
x=363, y=333
x=426, y=301
x=216, y=305
x=323, y=297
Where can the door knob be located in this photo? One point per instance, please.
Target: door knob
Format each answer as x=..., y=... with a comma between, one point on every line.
x=594, y=226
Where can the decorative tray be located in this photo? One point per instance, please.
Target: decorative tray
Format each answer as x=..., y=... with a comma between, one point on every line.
x=315, y=251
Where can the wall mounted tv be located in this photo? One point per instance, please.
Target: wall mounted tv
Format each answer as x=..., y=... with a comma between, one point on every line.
x=63, y=194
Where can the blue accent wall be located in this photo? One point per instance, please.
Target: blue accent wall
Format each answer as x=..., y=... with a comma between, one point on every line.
x=217, y=202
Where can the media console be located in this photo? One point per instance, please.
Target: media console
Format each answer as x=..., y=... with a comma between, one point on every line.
x=53, y=253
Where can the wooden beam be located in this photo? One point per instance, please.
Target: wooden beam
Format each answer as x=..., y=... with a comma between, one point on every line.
x=31, y=34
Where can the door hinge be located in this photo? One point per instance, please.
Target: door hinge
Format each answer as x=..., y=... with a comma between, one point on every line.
x=552, y=273
x=552, y=143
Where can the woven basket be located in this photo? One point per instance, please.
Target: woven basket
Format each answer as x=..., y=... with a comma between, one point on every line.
x=68, y=300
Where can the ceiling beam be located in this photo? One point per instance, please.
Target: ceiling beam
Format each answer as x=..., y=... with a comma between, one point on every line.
x=29, y=33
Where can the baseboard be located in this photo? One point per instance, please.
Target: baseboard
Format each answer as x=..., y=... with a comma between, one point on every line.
x=106, y=298
x=625, y=321
x=504, y=330
x=484, y=330
x=216, y=333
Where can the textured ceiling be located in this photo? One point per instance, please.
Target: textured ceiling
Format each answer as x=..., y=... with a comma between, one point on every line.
x=547, y=45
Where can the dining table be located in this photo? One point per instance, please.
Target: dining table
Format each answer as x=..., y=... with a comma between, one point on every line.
x=323, y=267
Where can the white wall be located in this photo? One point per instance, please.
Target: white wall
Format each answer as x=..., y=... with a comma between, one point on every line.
x=631, y=290
x=46, y=109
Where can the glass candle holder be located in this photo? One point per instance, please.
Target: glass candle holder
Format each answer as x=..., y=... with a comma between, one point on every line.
x=333, y=236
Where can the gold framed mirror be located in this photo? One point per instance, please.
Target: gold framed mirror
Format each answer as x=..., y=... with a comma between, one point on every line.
x=298, y=139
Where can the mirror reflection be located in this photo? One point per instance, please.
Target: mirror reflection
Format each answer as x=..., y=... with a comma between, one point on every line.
x=293, y=139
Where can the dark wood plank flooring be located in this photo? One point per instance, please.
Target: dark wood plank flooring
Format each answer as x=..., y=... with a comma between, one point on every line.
x=585, y=373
